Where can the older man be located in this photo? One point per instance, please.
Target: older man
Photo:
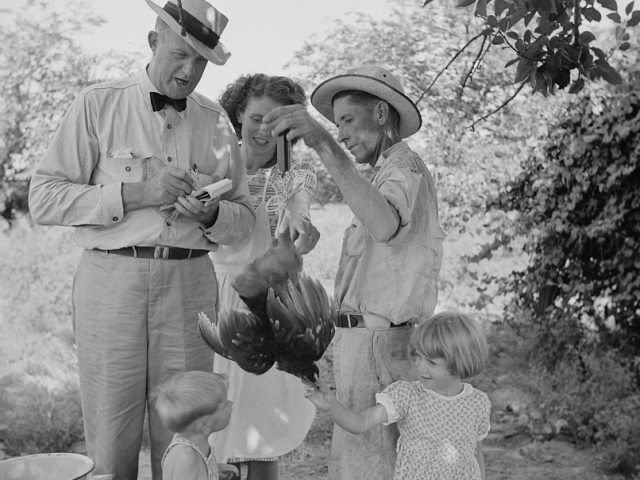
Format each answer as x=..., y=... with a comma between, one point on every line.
x=125, y=149
x=392, y=251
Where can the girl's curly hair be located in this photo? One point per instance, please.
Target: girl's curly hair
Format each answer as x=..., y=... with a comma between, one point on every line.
x=280, y=89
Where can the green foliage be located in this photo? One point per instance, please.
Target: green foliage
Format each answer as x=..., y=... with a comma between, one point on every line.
x=580, y=202
x=550, y=39
x=477, y=264
x=577, y=303
x=617, y=432
x=589, y=399
x=48, y=69
x=36, y=420
x=594, y=395
x=39, y=403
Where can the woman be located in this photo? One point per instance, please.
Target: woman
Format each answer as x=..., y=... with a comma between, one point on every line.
x=268, y=418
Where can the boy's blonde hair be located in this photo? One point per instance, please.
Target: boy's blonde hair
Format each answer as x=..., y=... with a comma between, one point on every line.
x=454, y=337
x=187, y=396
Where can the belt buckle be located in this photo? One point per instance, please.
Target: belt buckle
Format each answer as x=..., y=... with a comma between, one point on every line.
x=349, y=321
x=161, y=252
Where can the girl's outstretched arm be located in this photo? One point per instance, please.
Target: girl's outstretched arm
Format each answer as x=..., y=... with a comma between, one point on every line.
x=351, y=420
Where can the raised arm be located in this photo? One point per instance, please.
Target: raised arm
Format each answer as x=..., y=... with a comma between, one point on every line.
x=379, y=218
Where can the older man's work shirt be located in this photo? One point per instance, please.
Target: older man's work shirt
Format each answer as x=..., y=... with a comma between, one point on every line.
x=396, y=280
x=111, y=136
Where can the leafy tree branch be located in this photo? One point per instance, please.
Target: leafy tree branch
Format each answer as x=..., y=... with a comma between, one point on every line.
x=552, y=49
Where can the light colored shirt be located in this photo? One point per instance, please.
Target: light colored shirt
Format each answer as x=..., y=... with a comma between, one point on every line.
x=172, y=458
x=396, y=280
x=111, y=136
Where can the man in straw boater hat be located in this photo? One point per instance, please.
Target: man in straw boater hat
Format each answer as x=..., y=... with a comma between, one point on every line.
x=392, y=250
x=125, y=149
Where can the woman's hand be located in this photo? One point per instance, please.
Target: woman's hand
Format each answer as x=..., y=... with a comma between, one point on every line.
x=307, y=240
x=300, y=229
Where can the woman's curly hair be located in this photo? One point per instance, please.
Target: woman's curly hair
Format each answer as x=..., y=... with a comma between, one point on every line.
x=280, y=89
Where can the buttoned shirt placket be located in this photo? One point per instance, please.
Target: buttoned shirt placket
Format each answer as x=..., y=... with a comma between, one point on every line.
x=170, y=154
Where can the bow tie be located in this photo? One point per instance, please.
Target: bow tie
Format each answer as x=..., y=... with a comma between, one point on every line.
x=158, y=101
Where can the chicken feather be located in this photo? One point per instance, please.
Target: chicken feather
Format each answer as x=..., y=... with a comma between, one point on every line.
x=289, y=322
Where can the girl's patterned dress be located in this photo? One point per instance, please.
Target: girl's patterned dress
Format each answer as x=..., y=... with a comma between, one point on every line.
x=270, y=416
x=438, y=434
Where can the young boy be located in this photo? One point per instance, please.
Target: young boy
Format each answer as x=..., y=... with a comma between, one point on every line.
x=193, y=405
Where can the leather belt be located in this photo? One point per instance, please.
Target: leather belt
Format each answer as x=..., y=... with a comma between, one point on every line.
x=353, y=320
x=163, y=253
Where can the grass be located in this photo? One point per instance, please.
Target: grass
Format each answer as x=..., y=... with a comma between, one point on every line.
x=322, y=261
x=39, y=402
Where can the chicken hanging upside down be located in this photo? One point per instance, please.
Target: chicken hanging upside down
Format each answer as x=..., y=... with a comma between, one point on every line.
x=288, y=321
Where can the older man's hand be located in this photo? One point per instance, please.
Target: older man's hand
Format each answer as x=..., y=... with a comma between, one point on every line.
x=299, y=122
x=167, y=185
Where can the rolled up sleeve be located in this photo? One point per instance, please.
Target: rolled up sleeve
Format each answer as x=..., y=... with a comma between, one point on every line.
x=401, y=191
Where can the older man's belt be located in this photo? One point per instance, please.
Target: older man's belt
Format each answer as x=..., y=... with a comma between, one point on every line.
x=163, y=253
x=352, y=320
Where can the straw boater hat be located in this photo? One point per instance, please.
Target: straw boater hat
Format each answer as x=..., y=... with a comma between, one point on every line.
x=376, y=81
x=202, y=23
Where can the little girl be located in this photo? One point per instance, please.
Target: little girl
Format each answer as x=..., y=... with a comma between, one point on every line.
x=193, y=405
x=441, y=420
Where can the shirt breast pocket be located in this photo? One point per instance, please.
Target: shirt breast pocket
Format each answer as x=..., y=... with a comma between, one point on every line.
x=129, y=168
x=354, y=240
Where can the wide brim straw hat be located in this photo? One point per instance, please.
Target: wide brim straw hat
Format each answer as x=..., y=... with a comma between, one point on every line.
x=376, y=81
x=203, y=25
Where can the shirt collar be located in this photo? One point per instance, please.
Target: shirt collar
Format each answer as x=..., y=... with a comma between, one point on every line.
x=384, y=156
x=147, y=86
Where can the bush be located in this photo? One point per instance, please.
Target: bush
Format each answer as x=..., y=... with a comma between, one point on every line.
x=617, y=431
x=578, y=300
x=35, y=419
x=580, y=203
x=593, y=394
x=39, y=402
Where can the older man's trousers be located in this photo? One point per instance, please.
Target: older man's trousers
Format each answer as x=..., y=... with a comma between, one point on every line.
x=135, y=322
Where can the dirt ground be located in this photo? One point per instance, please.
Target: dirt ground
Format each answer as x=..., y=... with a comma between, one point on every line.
x=508, y=455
